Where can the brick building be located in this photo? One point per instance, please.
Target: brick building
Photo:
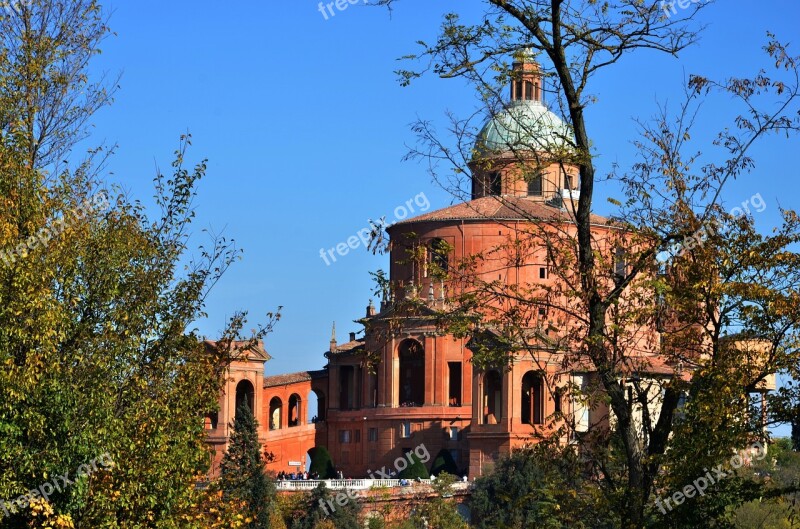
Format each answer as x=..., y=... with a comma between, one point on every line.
x=405, y=383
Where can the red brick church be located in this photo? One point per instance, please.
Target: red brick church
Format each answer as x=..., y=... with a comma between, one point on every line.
x=405, y=383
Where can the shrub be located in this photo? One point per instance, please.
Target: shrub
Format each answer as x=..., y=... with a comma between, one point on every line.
x=415, y=470
x=321, y=463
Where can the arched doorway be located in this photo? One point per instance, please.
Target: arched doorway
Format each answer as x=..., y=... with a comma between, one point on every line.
x=412, y=373
x=532, y=399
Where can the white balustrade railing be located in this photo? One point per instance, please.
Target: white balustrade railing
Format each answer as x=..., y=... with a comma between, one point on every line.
x=341, y=484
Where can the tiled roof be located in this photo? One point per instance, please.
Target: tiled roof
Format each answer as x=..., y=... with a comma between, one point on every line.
x=500, y=208
x=293, y=378
x=349, y=347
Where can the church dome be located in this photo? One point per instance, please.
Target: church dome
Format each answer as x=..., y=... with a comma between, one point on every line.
x=526, y=125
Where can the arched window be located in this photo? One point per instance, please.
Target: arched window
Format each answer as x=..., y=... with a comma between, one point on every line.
x=492, y=397
x=532, y=399
x=412, y=373
x=295, y=410
x=275, y=413
x=245, y=395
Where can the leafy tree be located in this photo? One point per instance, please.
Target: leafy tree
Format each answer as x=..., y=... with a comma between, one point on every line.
x=439, y=511
x=543, y=486
x=96, y=297
x=291, y=506
x=444, y=462
x=276, y=520
x=376, y=522
x=416, y=469
x=323, y=510
x=47, y=97
x=764, y=515
x=213, y=511
x=721, y=315
x=242, y=473
x=778, y=471
x=321, y=463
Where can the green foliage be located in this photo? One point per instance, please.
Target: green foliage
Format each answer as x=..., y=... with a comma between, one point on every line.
x=780, y=470
x=46, y=97
x=764, y=515
x=322, y=508
x=291, y=507
x=444, y=462
x=415, y=470
x=96, y=296
x=376, y=522
x=242, y=473
x=542, y=486
x=440, y=511
x=321, y=463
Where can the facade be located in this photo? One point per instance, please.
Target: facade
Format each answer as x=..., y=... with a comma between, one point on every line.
x=405, y=383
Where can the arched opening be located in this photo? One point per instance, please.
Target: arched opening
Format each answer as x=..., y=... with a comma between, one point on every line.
x=212, y=421
x=245, y=395
x=316, y=406
x=492, y=398
x=532, y=399
x=412, y=373
x=295, y=410
x=275, y=413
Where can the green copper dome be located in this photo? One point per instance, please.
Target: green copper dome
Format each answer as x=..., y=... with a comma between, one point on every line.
x=523, y=126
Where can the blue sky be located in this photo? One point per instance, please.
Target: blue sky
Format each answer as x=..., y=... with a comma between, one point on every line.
x=304, y=125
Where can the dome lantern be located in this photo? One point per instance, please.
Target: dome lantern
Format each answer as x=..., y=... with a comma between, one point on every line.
x=526, y=78
x=520, y=150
